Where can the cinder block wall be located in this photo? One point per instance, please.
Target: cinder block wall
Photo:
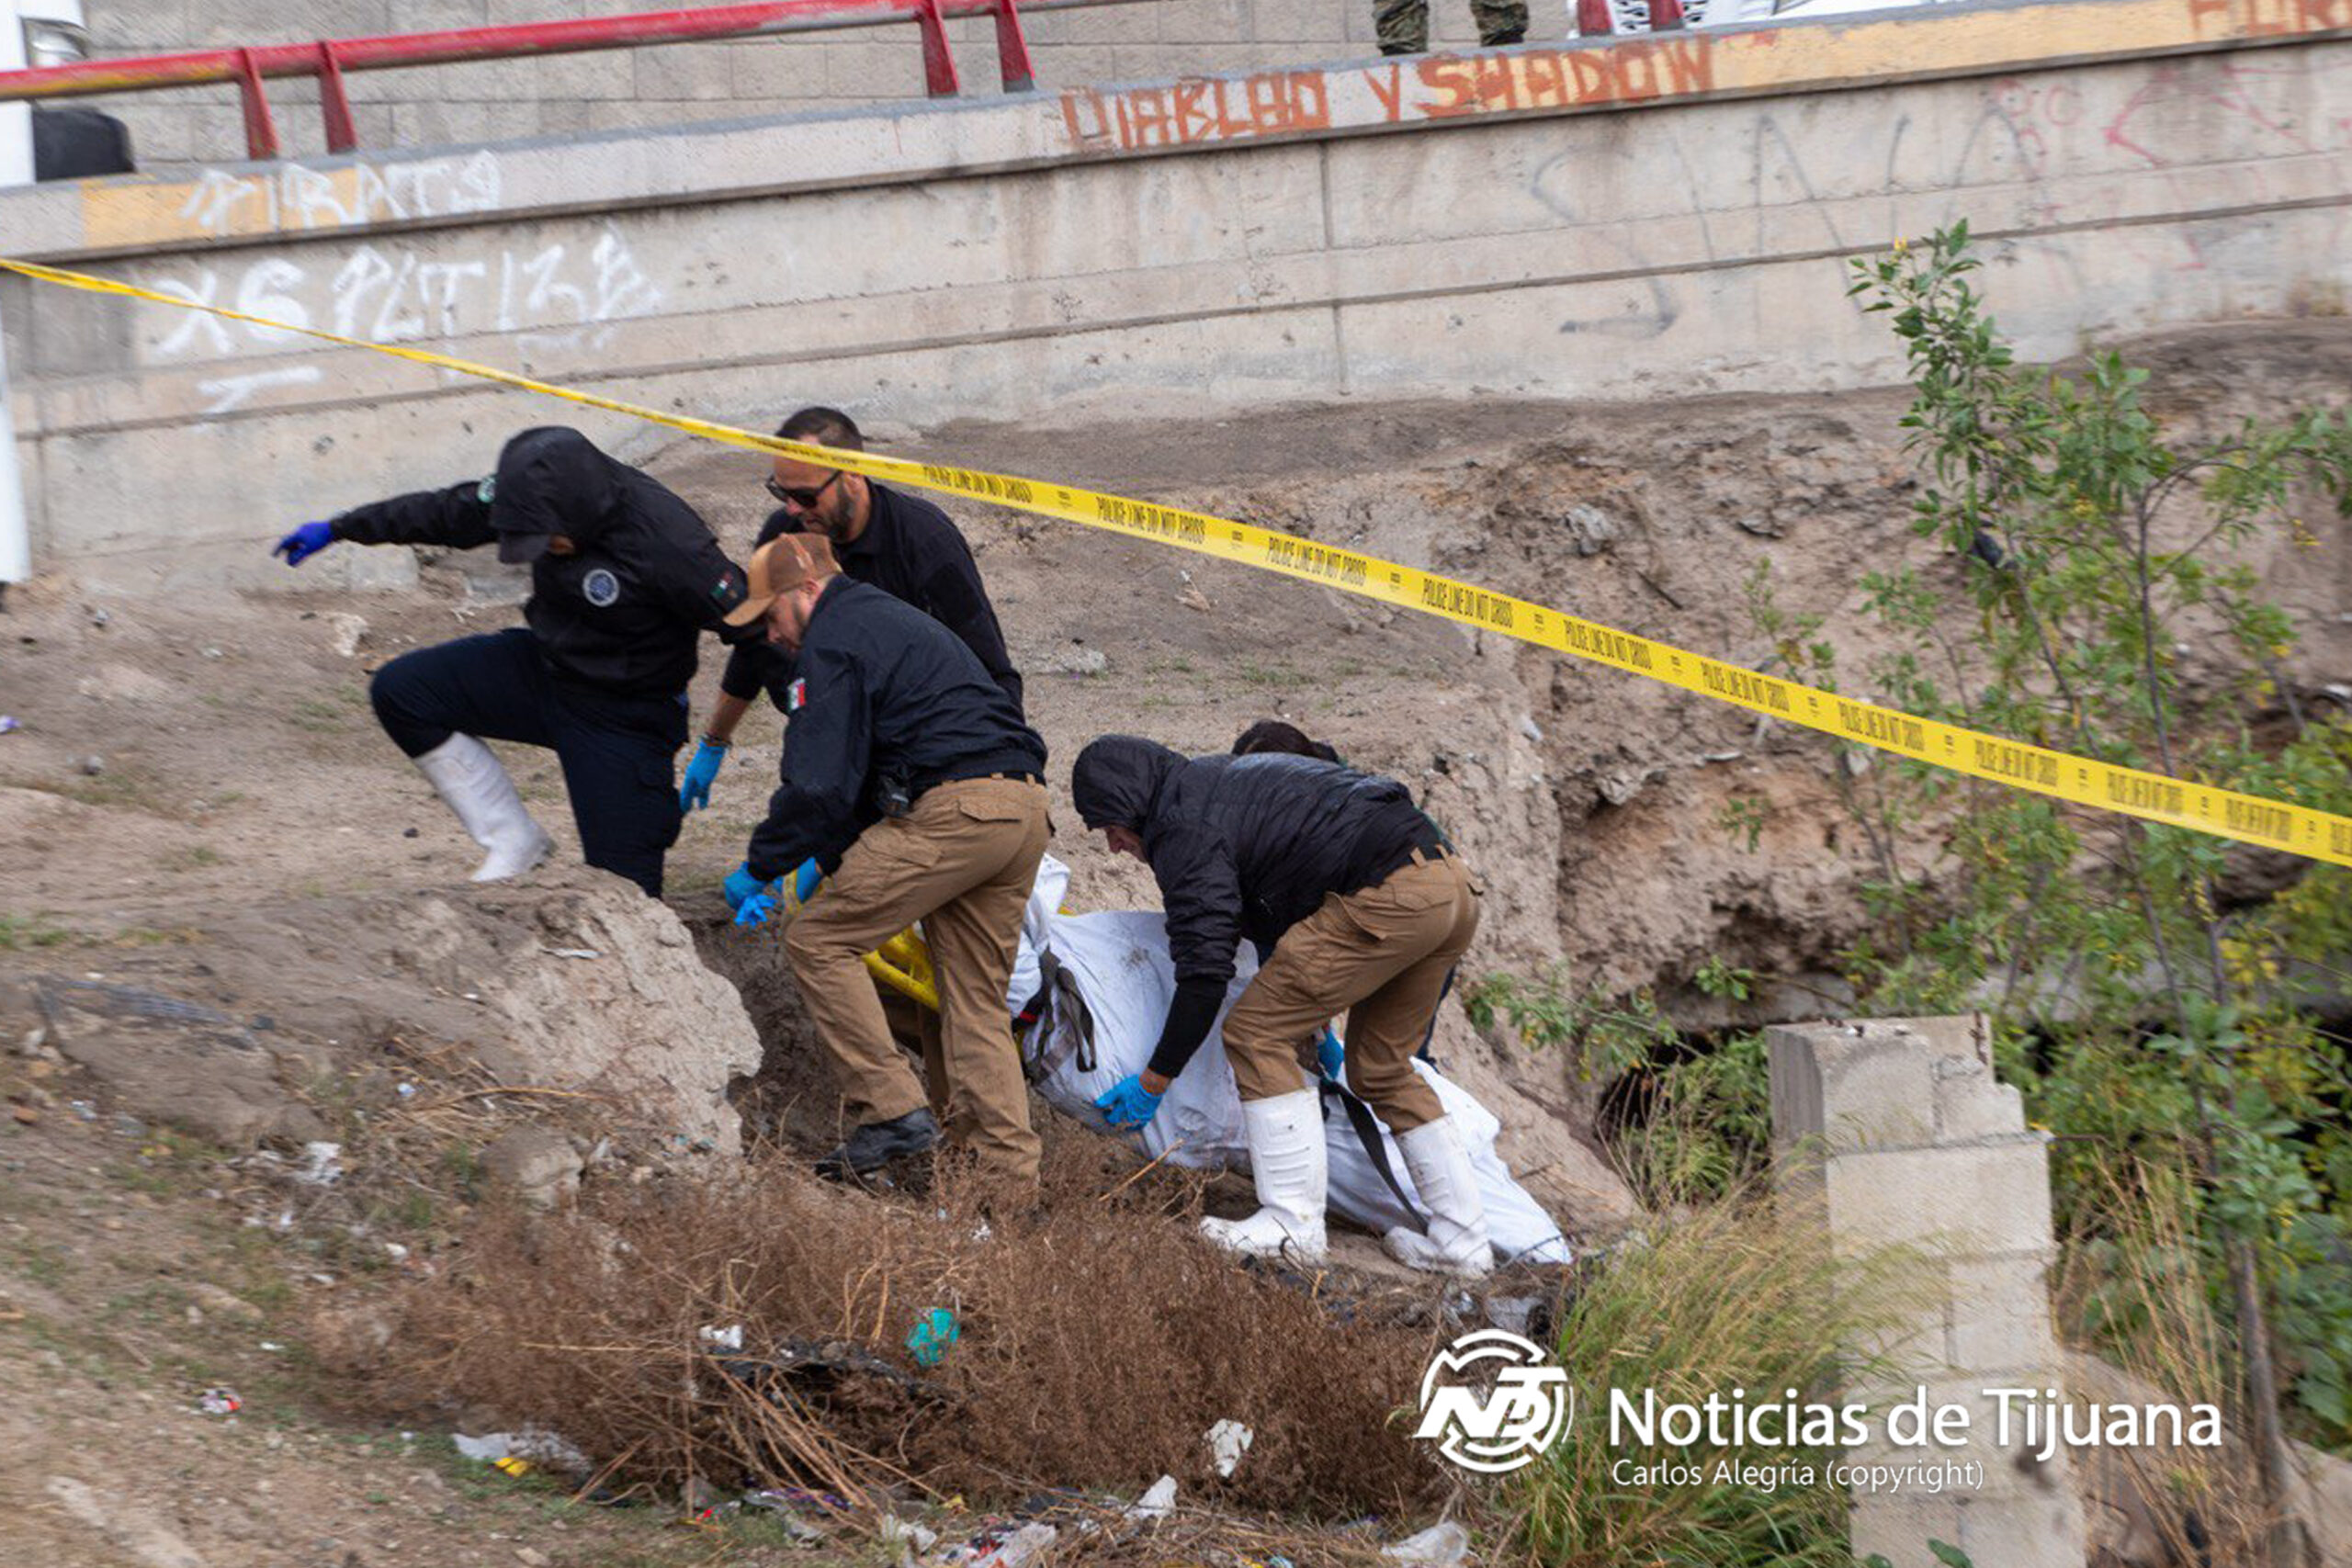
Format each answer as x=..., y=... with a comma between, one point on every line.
x=1896, y=1135
x=678, y=83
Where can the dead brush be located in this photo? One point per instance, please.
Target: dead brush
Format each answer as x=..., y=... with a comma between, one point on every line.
x=1099, y=1342
x=2131, y=1278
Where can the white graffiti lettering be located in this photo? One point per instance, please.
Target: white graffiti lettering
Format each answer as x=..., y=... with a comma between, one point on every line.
x=565, y=295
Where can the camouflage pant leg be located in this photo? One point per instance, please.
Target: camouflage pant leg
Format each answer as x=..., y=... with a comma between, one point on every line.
x=1499, y=21
x=1403, y=26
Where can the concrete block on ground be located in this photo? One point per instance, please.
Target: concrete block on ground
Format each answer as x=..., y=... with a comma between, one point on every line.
x=1971, y=1105
x=2000, y=1314
x=1989, y=1198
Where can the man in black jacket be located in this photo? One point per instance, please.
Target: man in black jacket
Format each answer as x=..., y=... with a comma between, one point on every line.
x=625, y=578
x=1355, y=904
x=900, y=543
x=911, y=780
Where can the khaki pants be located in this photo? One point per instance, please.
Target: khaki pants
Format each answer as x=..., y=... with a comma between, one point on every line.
x=1381, y=955
x=962, y=862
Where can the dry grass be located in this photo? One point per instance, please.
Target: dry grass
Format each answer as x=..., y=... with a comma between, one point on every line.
x=1100, y=1342
x=1728, y=1295
x=2131, y=1277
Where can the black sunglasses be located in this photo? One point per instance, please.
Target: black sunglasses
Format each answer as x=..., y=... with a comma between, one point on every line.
x=805, y=499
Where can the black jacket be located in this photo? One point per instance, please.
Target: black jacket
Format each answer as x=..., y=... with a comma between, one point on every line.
x=911, y=551
x=1242, y=847
x=883, y=694
x=622, y=615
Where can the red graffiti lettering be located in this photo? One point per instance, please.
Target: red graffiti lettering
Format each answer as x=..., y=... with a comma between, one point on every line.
x=1310, y=101
x=1388, y=83
x=1547, y=83
x=1082, y=112
x=1443, y=74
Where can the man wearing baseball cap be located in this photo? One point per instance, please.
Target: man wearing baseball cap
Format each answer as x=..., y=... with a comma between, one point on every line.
x=910, y=779
x=625, y=578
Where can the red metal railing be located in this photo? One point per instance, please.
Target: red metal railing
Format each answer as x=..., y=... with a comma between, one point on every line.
x=329, y=58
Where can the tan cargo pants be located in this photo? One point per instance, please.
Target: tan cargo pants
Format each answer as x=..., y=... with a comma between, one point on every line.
x=1380, y=954
x=962, y=862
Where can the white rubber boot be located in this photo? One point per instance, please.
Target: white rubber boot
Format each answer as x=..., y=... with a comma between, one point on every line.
x=1288, y=1161
x=1448, y=1188
x=479, y=791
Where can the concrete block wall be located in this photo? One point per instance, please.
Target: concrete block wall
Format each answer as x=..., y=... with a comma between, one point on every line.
x=681, y=83
x=1897, y=1136
x=1637, y=219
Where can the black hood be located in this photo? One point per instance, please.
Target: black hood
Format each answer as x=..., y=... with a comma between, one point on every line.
x=1118, y=777
x=553, y=480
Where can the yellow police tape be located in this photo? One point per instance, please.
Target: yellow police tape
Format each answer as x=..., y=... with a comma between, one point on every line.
x=2252, y=819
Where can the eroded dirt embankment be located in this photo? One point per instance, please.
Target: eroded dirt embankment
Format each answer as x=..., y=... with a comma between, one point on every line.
x=199, y=803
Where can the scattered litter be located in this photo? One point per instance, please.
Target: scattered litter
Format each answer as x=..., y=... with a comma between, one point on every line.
x=214, y=653
x=93, y=765
x=904, y=1537
x=84, y=1109
x=1192, y=599
x=1228, y=1441
x=7, y=723
x=406, y=1090
x=516, y=1452
x=778, y=1506
x=568, y=952
x=347, y=630
x=397, y=1253
x=1447, y=1544
x=1723, y=756
x=999, y=1548
x=928, y=1341
x=728, y=1338
x=1512, y=1313
x=1158, y=1501
x=1532, y=729
x=273, y=1347
x=321, y=1165
x=219, y=1402
x=99, y=617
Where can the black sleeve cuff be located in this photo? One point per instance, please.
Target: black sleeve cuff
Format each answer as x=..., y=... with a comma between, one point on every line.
x=1189, y=1017
x=741, y=677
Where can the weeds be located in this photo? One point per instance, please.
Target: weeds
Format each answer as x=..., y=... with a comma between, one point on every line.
x=1731, y=1296
x=1100, y=1342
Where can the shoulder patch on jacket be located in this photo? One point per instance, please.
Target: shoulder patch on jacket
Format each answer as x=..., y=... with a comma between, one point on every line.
x=796, y=696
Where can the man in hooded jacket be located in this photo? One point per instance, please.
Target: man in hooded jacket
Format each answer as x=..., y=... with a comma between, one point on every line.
x=625, y=578
x=1356, y=903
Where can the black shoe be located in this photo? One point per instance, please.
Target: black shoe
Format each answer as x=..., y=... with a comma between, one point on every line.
x=1504, y=41
x=876, y=1143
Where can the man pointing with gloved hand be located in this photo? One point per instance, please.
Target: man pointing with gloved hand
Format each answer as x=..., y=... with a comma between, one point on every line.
x=625, y=578
x=909, y=778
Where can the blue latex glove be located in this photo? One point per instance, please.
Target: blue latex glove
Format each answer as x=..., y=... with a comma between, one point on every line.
x=305, y=542
x=741, y=884
x=1329, y=1053
x=700, y=770
x=756, y=910
x=1128, y=1105
x=805, y=880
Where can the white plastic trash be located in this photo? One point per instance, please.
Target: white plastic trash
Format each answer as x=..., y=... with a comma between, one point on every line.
x=1228, y=1441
